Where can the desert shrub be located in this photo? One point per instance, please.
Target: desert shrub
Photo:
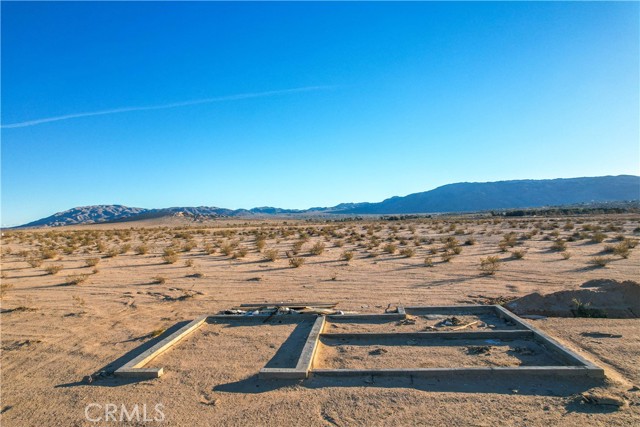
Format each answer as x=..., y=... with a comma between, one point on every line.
x=297, y=246
x=621, y=249
x=91, y=262
x=346, y=256
x=261, y=242
x=446, y=256
x=68, y=250
x=271, y=254
x=158, y=280
x=407, y=252
x=428, y=262
x=76, y=279
x=631, y=243
x=189, y=263
x=125, y=248
x=4, y=288
x=34, y=262
x=597, y=237
x=296, y=262
x=142, y=249
x=189, y=246
x=53, y=268
x=170, y=257
x=240, y=253
x=338, y=243
x=559, y=246
x=227, y=249
x=49, y=254
x=565, y=255
x=456, y=250
x=518, y=253
x=390, y=248
x=112, y=253
x=317, y=249
x=601, y=261
x=210, y=249
x=490, y=265
x=584, y=310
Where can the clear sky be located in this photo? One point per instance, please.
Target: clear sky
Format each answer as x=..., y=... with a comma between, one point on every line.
x=307, y=104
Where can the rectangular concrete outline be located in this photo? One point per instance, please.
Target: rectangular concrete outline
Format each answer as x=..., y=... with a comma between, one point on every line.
x=135, y=367
x=581, y=366
x=305, y=365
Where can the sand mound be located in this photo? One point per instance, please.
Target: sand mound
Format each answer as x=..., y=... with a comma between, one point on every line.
x=602, y=298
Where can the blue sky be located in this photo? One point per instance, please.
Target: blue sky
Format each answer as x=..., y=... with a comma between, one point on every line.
x=307, y=104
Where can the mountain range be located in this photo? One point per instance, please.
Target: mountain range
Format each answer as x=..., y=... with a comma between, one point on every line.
x=451, y=198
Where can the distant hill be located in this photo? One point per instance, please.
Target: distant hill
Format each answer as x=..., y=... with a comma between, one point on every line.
x=87, y=215
x=472, y=196
x=460, y=197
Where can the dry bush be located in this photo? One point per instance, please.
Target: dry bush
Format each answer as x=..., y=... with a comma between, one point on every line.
x=91, y=262
x=125, y=248
x=49, y=254
x=597, y=237
x=240, y=253
x=76, y=279
x=271, y=254
x=346, y=256
x=189, y=246
x=170, y=257
x=317, y=249
x=53, y=268
x=518, y=253
x=390, y=248
x=601, y=261
x=446, y=256
x=489, y=265
x=158, y=280
x=142, y=249
x=566, y=255
x=189, y=263
x=34, y=262
x=428, y=262
x=4, y=288
x=559, y=246
x=261, y=242
x=296, y=262
x=210, y=249
x=407, y=252
x=112, y=253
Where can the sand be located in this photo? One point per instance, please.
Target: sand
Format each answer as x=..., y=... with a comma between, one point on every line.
x=55, y=333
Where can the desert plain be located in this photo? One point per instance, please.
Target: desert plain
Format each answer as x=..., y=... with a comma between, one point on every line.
x=78, y=302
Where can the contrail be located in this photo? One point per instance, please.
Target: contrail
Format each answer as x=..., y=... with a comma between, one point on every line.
x=164, y=106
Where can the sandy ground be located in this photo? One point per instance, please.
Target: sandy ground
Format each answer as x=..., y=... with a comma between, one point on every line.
x=55, y=332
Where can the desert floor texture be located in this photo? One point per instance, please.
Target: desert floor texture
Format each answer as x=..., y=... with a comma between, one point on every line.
x=80, y=300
